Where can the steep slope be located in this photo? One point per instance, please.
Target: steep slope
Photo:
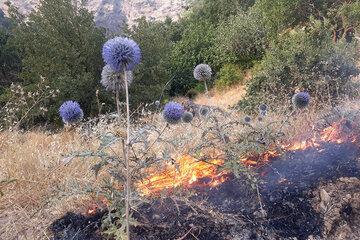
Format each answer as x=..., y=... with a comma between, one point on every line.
x=112, y=13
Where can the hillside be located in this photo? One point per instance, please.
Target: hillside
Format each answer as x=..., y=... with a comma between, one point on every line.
x=111, y=13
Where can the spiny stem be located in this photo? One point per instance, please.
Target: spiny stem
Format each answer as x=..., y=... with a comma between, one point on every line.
x=287, y=118
x=207, y=94
x=126, y=154
x=161, y=132
x=117, y=101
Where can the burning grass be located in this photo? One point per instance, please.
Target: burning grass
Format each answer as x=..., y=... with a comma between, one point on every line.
x=33, y=159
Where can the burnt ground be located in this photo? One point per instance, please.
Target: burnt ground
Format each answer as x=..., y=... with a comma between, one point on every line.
x=232, y=210
x=319, y=200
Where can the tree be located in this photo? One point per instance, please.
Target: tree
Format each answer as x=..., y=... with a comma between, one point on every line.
x=63, y=46
x=151, y=75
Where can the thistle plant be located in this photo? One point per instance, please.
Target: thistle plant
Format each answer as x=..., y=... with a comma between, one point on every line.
x=301, y=100
x=70, y=112
x=202, y=73
x=247, y=119
x=113, y=81
x=122, y=55
x=262, y=107
x=173, y=112
x=204, y=110
x=187, y=117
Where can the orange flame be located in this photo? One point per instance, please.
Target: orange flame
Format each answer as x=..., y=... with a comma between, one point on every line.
x=94, y=209
x=190, y=170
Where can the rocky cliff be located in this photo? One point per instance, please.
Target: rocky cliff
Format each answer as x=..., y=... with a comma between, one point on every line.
x=112, y=13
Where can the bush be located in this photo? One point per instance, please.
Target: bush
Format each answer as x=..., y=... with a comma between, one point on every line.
x=229, y=75
x=299, y=60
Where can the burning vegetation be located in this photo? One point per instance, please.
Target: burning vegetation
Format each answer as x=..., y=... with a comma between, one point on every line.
x=281, y=204
x=189, y=171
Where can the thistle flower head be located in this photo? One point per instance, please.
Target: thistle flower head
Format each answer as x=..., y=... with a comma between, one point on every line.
x=327, y=78
x=203, y=110
x=247, y=119
x=121, y=53
x=157, y=102
x=202, y=72
x=187, y=117
x=301, y=99
x=110, y=78
x=173, y=112
x=260, y=119
x=263, y=107
x=71, y=112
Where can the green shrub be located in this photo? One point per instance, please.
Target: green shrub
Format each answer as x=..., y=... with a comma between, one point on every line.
x=299, y=60
x=229, y=75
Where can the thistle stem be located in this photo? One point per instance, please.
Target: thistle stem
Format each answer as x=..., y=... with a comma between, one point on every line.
x=117, y=101
x=207, y=94
x=126, y=154
x=161, y=132
x=287, y=118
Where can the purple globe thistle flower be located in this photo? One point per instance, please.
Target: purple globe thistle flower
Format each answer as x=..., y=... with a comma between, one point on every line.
x=173, y=112
x=203, y=110
x=260, y=119
x=110, y=78
x=71, y=112
x=187, y=117
x=247, y=119
x=157, y=102
x=263, y=113
x=263, y=107
x=301, y=99
x=121, y=52
x=202, y=72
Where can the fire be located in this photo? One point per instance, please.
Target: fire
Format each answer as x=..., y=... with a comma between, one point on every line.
x=94, y=209
x=91, y=210
x=332, y=134
x=190, y=170
x=282, y=180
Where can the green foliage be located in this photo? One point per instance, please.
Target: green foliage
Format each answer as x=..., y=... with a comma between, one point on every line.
x=197, y=43
x=194, y=48
x=62, y=45
x=300, y=59
x=4, y=21
x=151, y=75
x=229, y=75
x=215, y=11
x=10, y=62
x=240, y=38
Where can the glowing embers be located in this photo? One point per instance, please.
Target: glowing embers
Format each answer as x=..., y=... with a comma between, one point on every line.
x=187, y=174
x=95, y=208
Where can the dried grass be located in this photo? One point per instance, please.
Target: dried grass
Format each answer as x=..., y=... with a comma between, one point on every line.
x=224, y=98
x=29, y=157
